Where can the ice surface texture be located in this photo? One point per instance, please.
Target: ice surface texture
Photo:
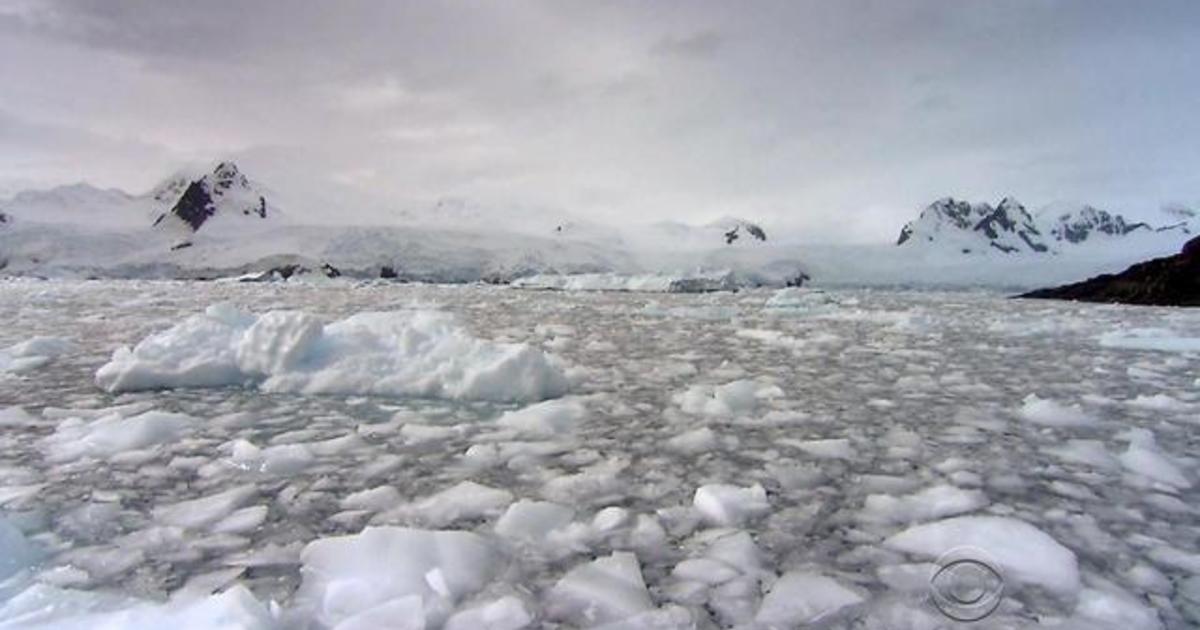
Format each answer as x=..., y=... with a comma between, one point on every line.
x=413, y=353
x=752, y=460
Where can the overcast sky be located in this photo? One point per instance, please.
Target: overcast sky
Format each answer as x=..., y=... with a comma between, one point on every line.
x=838, y=119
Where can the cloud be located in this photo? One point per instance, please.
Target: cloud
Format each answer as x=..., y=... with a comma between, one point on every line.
x=702, y=44
x=833, y=120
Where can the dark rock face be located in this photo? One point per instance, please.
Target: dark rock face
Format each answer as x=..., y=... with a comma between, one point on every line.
x=752, y=229
x=387, y=272
x=330, y=271
x=1170, y=281
x=798, y=280
x=225, y=188
x=3, y=218
x=193, y=208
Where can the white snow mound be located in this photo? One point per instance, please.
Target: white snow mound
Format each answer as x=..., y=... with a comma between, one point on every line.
x=404, y=353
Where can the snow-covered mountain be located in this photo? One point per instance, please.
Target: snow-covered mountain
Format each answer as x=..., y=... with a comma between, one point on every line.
x=219, y=222
x=77, y=204
x=223, y=196
x=1086, y=222
x=975, y=227
x=954, y=226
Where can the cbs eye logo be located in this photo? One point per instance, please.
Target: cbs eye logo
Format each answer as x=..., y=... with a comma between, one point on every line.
x=966, y=584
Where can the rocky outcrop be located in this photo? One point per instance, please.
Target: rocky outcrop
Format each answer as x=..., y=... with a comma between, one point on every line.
x=1170, y=281
x=752, y=229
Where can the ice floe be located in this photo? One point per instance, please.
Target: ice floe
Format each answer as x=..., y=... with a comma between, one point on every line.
x=405, y=353
x=33, y=354
x=389, y=573
x=1025, y=554
x=1054, y=414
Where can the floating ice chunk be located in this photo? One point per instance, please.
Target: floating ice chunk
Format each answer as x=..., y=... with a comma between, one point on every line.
x=1159, y=339
x=506, y=613
x=283, y=460
x=533, y=520
x=411, y=353
x=424, y=433
x=373, y=499
x=1052, y=414
x=610, y=518
x=545, y=418
x=706, y=570
x=930, y=503
x=17, y=493
x=836, y=448
x=597, y=483
x=278, y=342
x=16, y=555
x=738, y=397
x=197, y=513
x=698, y=282
x=402, y=613
x=111, y=435
x=463, y=500
x=1159, y=402
x=1024, y=553
x=17, y=417
x=1090, y=452
x=778, y=338
x=1112, y=609
x=42, y=606
x=1146, y=459
x=702, y=440
x=33, y=354
x=800, y=598
x=243, y=520
x=605, y=590
x=730, y=506
x=345, y=575
x=733, y=548
x=795, y=299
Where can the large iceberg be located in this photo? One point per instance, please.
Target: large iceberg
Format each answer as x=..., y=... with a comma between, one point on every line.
x=403, y=353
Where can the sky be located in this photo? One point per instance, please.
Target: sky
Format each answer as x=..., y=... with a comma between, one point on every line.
x=834, y=120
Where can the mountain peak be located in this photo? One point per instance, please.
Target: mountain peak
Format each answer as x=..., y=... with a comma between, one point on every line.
x=223, y=191
x=1007, y=227
x=1010, y=228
